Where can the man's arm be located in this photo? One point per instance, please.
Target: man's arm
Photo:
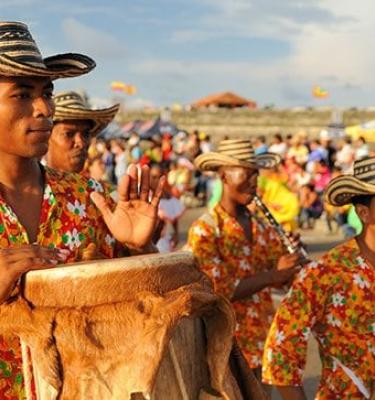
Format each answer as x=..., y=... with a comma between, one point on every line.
x=255, y=283
x=286, y=345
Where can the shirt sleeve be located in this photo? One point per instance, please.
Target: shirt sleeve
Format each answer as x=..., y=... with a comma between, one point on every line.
x=202, y=242
x=286, y=345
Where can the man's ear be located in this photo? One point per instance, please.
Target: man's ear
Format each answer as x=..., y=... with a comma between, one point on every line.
x=222, y=175
x=363, y=213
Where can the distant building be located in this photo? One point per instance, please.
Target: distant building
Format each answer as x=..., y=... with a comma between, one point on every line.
x=224, y=100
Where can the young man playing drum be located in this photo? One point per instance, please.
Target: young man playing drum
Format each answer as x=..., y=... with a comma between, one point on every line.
x=74, y=125
x=48, y=217
x=239, y=251
x=335, y=299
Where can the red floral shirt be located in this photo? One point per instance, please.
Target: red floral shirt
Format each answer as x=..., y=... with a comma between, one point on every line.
x=226, y=255
x=335, y=300
x=68, y=220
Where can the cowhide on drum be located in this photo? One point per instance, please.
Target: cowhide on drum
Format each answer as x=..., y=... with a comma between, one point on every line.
x=113, y=349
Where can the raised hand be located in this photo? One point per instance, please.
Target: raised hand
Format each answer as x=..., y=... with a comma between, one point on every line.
x=133, y=221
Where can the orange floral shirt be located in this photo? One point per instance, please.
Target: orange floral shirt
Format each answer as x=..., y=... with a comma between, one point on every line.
x=226, y=255
x=335, y=300
x=69, y=220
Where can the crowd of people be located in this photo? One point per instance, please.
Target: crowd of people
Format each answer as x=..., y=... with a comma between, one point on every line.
x=293, y=191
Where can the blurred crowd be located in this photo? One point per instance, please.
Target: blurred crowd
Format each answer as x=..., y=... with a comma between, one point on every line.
x=293, y=191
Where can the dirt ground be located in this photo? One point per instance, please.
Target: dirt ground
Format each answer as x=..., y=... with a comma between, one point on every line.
x=318, y=241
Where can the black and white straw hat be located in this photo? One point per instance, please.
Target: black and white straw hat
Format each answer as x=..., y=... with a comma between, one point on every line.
x=235, y=153
x=20, y=56
x=342, y=189
x=72, y=106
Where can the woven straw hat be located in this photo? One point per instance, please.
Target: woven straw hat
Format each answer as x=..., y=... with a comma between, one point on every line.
x=20, y=56
x=235, y=153
x=342, y=189
x=72, y=106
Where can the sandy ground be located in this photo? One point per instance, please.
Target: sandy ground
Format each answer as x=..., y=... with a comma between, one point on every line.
x=318, y=241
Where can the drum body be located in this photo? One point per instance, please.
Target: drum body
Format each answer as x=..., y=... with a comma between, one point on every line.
x=133, y=328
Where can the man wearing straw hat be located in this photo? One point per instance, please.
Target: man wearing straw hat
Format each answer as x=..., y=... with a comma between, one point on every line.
x=49, y=217
x=335, y=299
x=239, y=251
x=74, y=125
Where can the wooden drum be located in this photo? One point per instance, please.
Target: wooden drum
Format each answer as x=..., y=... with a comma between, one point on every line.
x=131, y=328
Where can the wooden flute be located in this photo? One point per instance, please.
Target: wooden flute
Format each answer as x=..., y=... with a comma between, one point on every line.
x=288, y=243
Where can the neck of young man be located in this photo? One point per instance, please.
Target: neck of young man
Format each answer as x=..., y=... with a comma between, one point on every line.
x=233, y=208
x=19, y=173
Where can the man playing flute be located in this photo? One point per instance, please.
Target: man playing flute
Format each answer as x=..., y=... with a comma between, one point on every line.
x=240, y=252
x=49, y=217
x=334, y=299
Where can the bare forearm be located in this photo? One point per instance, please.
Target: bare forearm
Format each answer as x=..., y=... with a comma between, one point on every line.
x=251, y=285
x=292, y=392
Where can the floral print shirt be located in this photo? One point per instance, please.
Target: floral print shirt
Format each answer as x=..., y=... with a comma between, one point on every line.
x=68, y=220
x=334, y=299
x=226, y=255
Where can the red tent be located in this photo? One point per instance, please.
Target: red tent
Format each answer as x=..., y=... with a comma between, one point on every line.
x=225, y=100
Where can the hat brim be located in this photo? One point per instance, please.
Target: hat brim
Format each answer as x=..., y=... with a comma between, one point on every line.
x=101, y=117
x=342, y=189
x=212, y=161
x=59, y=66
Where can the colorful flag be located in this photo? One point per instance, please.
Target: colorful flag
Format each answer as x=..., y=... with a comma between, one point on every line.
x=123, y=87
x=319, y=92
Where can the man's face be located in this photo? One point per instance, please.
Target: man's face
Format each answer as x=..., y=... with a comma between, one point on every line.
x=68, y=145
x=240, y=183
x=367, y=215
x=26, y=110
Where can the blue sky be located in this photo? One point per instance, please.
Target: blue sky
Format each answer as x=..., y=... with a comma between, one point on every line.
x=272, y=51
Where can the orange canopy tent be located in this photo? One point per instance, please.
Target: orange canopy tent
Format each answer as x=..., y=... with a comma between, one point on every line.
x=225, y=100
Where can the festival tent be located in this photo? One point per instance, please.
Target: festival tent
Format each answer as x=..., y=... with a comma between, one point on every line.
x=224, y=100
x=147, y=129
x=366, y=130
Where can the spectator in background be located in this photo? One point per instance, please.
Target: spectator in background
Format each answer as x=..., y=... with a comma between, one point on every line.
x=108, y=159
x=300, y=178
x=278, y=146
x=135, y=151
x=166, y=149
x=166, y=234
x=330, y=150
x=95, y=168
x=345, y=155
x=317, y=153
x=260, y=145
x=311, y=206
x=121, y=162
x=321, y=176
x=298, y=151
x=206, y=145
x=361, y=149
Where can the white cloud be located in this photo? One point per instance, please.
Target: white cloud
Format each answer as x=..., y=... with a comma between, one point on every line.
x=94, y=42
x=329, y=45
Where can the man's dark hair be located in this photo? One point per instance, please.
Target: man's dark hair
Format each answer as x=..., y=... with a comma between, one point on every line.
x=364, y=200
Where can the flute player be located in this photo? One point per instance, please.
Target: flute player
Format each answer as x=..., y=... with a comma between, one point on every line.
x=240, y=252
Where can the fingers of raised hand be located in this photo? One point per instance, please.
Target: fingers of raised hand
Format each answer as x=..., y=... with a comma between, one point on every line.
x=133, y=175
x=145, y=183
x=158, y=192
